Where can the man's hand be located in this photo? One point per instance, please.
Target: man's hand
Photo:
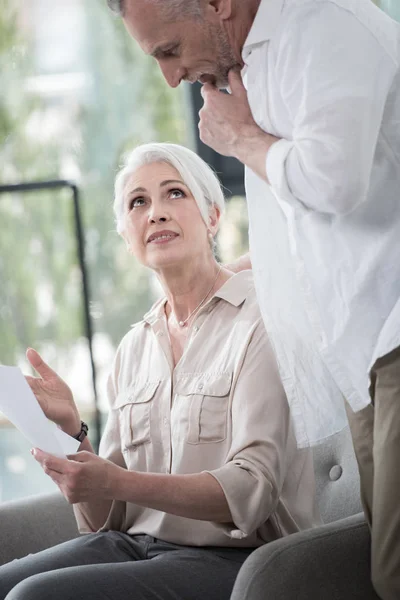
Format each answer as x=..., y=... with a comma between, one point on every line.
x=225, y=117
x=241, y=264
x=81, y=477
x=228, y=127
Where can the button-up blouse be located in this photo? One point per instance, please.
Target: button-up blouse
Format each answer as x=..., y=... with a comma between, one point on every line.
x=222, y=410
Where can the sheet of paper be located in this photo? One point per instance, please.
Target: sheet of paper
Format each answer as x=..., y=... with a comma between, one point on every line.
x=19, y=405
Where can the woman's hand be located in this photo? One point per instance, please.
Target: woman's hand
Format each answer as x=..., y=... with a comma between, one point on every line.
x=82, y=477
x=53, y=395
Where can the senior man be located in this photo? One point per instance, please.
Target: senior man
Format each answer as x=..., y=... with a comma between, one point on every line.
x=314, y=114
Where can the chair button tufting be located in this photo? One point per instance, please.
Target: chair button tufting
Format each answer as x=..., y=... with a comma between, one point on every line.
x=335, y=473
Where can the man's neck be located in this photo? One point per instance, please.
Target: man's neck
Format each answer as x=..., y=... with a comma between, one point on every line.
x=244, y=13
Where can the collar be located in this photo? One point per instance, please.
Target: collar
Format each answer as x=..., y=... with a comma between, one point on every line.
x=234, y=291
x=264, y=25
x=156, y=312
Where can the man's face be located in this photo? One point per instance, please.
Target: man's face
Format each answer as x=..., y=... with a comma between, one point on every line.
x=191, y=49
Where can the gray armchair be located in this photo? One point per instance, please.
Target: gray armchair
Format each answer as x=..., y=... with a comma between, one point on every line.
x=326, y=563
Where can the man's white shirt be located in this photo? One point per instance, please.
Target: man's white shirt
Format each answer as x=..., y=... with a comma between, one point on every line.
x=324, y=75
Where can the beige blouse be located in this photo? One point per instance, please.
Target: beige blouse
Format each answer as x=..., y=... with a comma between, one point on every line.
x=222, y=410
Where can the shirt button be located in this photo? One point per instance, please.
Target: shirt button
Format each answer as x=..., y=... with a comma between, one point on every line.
x=160, y=333
x=195, y=329
x=200, y=387
x=165, y=421
x=335, y=473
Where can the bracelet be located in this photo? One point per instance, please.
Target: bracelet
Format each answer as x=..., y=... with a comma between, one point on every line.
x=83, y=432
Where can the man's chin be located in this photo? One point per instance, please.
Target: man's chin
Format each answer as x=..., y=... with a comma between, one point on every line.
x=221, y=83
x=206, y=78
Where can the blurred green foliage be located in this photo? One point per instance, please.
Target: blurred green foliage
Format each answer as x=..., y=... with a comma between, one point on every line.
x=125, y=102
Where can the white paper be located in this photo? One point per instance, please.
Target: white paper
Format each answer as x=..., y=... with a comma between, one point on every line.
x=18, y=403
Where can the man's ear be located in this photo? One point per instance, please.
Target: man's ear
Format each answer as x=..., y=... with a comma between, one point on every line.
x=222, y=8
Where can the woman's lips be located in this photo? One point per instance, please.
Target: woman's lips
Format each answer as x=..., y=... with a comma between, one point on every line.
x=162, y=238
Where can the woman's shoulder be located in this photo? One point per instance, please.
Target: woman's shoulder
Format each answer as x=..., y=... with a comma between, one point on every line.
x=240, y=290
x=141, y=329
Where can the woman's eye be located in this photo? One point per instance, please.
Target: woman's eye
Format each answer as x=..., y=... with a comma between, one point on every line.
x=176, y=193
x=136, y=202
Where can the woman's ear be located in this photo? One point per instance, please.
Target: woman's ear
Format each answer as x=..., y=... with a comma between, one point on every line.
x=213, y=219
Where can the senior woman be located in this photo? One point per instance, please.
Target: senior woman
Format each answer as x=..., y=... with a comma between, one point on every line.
x=198, y=463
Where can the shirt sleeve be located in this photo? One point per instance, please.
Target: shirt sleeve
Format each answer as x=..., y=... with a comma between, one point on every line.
x=334, y=78
x=110, y=449
x=255, y=469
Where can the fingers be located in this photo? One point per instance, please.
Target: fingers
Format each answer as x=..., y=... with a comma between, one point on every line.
x=208, y=88
x=82, y=456
x=236, y=83
x=39, y=365
x=33, y=382
x=50, y=462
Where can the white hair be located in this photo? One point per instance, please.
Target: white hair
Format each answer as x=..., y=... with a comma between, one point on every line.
x=170, y=9
x=196, y=174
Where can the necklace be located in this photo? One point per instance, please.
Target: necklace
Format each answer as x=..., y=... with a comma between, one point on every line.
x=183, y=323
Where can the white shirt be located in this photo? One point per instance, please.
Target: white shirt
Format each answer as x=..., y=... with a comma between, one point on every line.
x=324, y=76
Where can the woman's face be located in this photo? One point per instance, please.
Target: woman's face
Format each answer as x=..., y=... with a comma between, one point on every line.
x=163, y=224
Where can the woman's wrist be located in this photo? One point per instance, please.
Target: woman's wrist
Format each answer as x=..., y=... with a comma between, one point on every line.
x=72, y=427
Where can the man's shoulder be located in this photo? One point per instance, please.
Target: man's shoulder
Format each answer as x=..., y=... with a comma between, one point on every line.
x=364, y=12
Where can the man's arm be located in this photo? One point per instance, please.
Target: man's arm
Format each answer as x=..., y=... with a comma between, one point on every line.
x=336, y=99
x=227, y=125
x=335, y=90
x=241, y=264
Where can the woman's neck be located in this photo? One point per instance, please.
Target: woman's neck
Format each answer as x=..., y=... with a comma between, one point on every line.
x=186, y=288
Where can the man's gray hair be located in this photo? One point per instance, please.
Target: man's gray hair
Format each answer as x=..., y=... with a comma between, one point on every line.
x=201, y=180
x=169, y=9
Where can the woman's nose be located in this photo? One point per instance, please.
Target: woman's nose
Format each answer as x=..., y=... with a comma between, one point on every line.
x=157, y=215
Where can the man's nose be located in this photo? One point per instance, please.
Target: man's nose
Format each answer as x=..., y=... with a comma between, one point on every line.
x=173, y=74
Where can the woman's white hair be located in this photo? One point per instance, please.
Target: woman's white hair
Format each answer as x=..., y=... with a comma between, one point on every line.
x=196, y=175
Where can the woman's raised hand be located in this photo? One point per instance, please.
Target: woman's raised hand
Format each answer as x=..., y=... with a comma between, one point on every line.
x=53, y=395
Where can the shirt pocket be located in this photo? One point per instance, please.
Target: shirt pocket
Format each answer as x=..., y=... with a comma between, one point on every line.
x=134, y=406
x=207, y=400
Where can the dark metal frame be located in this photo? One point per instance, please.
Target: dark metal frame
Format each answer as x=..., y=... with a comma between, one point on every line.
x=80, y=248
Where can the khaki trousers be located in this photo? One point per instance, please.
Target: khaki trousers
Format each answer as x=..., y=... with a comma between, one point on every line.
x=376, y=436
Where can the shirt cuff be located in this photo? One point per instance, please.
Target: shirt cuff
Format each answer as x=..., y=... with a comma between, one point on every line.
x=249, y=496
x=275, y=167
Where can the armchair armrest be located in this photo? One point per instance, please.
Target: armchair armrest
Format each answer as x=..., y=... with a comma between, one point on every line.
x=33, y=524
x=331, y=562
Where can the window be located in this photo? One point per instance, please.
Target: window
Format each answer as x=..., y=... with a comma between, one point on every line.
x=74, y=98
x=76, y=94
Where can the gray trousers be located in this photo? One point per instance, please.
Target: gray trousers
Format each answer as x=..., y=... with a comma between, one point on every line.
x=116, y=566
x=376, y=436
